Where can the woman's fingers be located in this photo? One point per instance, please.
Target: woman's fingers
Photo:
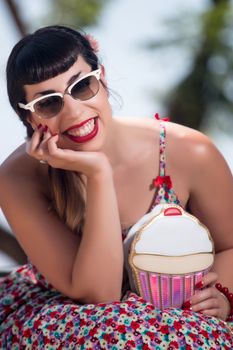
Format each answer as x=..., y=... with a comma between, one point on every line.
x=204, y=301
x=37, y=145
x=208, y=300
x=52, y=144
x=46, y=136
x=204, y=289
x=209, y=279
x=211, y=312
x=43, y=146
x=206, y=295
x=202, y=295
x=33, y=142
x=217, y=306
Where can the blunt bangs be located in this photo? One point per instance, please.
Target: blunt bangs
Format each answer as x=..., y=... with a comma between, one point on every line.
x=39, y=61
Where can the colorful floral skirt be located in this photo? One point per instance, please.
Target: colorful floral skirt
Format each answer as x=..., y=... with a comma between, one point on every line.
x=34, y=316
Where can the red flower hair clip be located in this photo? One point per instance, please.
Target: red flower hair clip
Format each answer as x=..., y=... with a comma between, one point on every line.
x=93, y=42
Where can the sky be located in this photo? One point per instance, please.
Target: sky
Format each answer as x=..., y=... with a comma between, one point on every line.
x=133, y=73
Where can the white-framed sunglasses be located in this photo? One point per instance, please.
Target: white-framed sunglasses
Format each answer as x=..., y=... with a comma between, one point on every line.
x=83, y=89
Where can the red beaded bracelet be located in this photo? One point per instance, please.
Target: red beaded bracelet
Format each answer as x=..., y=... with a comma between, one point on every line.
x=229, y=296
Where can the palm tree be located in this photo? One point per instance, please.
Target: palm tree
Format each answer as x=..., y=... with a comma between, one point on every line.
x=14, y=11
x=205, y=94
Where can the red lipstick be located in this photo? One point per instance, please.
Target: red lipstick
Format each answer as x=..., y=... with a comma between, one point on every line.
x=78, y=125
x=82, y=139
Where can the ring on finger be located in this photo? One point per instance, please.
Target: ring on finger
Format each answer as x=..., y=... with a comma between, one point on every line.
x=42, y=161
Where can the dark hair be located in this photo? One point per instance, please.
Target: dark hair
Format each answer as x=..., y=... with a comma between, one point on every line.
x=37, y=57
x=44, y=54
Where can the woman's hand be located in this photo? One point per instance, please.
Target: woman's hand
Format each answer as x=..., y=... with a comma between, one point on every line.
x=208, y=300
x=43, y=146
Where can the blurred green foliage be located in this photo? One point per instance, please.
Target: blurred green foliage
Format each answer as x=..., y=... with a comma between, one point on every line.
x=205, y=94
x=78, y=13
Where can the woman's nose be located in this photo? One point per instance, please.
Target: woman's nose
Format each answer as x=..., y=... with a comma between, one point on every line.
x=71, y=105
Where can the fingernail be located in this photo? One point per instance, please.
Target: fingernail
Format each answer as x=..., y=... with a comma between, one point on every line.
x=199, y=285
x=39, y=126
x=45, y=128
x=55, y=134
x=186, y=305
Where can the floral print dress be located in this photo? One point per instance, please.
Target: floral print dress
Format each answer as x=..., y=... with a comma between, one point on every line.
x=33, y=315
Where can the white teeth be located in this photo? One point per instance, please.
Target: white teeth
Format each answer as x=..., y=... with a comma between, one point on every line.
x=84, y=130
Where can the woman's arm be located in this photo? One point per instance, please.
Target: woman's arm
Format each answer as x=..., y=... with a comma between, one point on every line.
x=89, y=269
x=211, y=200
x=99, y=261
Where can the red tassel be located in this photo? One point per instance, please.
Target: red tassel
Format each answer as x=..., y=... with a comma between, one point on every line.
x=162, y=180
x=163, y=119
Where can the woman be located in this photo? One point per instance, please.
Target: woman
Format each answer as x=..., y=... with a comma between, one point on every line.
x=70, y=194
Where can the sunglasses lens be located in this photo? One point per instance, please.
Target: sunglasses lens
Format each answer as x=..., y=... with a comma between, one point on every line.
x=49, y=106
x=85, y=88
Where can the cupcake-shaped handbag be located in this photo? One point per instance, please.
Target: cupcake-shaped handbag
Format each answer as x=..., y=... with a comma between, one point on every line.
x=170, y=251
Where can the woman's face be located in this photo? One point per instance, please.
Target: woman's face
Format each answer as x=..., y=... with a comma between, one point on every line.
x=81, y=125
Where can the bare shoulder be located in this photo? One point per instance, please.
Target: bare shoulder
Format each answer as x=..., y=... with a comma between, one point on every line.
x=182, y=135
x=140, y=128
x=192, y=147
x=184, y=145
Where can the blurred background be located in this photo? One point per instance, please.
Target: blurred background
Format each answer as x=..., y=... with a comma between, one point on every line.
x=174, y=57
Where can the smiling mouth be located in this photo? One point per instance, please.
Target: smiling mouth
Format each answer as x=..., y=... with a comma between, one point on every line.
x=83, y=132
